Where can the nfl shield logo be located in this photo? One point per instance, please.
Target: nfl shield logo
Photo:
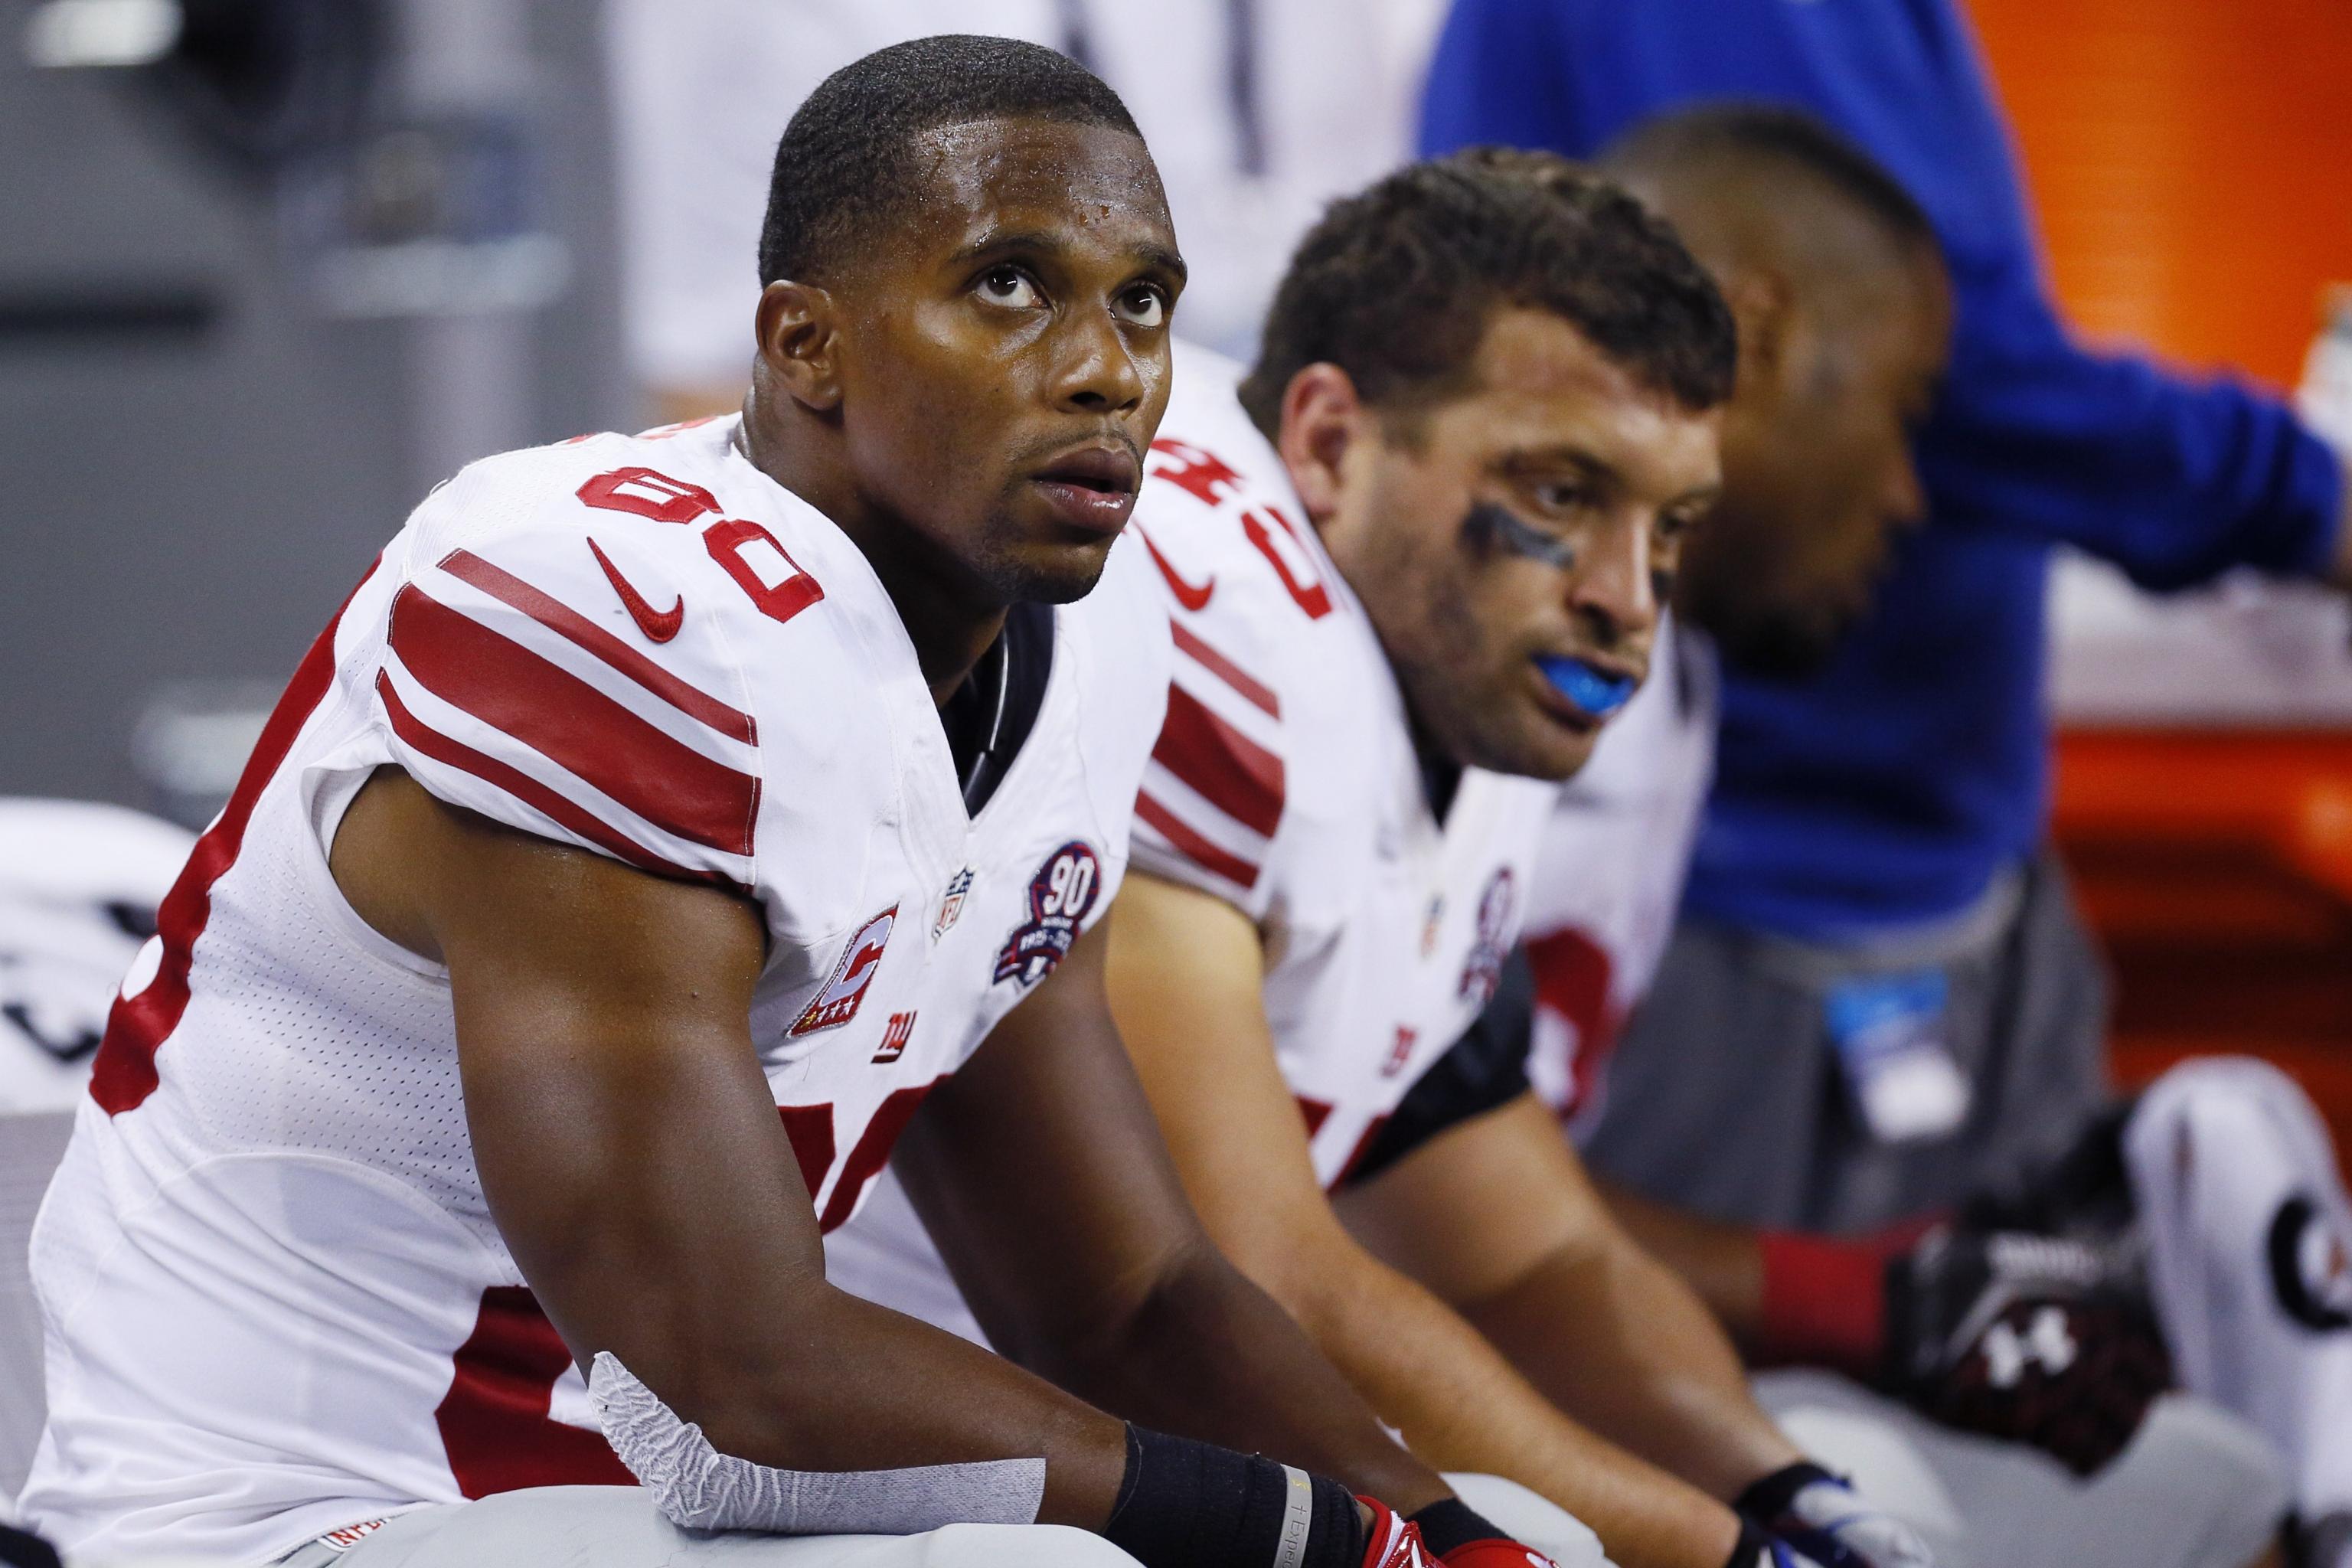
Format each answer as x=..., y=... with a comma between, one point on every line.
x=951, y=902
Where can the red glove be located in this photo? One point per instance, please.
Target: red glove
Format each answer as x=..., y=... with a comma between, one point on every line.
x=1494, y=1553
x=1471, y=1540
x=1394, y=1541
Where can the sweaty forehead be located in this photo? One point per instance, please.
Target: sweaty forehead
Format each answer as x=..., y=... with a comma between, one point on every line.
x=1034, y=176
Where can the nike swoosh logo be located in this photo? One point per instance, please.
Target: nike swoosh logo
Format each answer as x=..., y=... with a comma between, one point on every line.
x=658, y=625
x=1191, y=597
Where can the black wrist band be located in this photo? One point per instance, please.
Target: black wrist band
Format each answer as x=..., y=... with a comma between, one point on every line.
x=1184, y=1504
x=1752, y=1549
x=1450, y=1523
x=1769, y=1499
x=24, y=1550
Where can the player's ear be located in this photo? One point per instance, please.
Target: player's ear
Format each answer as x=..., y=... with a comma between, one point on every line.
x=1321, y=418
x=798, y=332
x=1764, y=307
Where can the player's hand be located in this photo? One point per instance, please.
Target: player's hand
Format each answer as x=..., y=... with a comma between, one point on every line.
x=2034, y=1339
x=23, y=1549
x=1813, y=1519
x=1391, y=1540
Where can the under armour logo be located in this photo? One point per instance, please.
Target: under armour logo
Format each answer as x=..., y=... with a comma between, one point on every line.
x=2047, y=1342
x=2311, y=1266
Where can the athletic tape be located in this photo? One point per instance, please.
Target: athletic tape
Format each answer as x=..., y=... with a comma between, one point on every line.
x=699, y=1487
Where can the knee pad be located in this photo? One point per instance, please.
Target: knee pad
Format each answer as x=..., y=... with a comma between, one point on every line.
x=2249, y=1257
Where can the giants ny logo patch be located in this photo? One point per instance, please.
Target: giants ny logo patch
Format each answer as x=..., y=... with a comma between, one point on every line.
x=895, y=1036
x=1060, y=895
x=860, y=960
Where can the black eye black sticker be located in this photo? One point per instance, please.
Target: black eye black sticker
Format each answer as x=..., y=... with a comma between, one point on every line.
x=1490, y=527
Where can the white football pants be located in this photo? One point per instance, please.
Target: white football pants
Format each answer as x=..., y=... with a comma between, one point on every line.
x=618, y=1527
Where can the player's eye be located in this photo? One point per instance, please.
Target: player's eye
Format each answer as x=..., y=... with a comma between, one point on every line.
x=1143, y=306
x=1557, y=497
x=1009, y=287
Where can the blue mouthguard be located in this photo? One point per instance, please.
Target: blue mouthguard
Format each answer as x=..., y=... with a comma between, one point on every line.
x=1597, y=694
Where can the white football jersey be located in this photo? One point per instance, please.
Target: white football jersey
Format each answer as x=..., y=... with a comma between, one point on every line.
x=1285, y=782
x=79, y=886
x=275, y=1299
x=1615, y=855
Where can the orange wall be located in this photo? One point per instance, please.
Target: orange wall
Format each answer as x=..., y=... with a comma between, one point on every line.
x=2190, y=165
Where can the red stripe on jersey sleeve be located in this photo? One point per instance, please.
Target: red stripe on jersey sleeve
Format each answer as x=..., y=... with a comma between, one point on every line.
x=422, y=737
x=572, y=724
x=123, y=1074
x=1224, y=767
x=1192, y=847
x=1225, y=670
x=563, y=619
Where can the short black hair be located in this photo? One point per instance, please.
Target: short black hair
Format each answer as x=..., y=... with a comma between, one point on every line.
x=1395, y=285
x=1768, y=135
x=842, y=167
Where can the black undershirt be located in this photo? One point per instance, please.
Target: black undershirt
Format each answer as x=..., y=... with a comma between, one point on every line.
x=1484, y=1069
x=992, y=712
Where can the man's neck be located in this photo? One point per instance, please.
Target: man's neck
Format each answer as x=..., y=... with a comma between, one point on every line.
x=949, y=631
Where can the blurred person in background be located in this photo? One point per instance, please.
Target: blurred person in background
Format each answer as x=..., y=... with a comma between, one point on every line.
x=1879, y=999
x=2211, y=1213
x=1258, y=112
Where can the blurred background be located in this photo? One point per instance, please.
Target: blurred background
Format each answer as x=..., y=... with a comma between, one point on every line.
x=272, y=268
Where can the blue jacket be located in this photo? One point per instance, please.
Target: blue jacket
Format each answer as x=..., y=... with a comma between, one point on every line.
x=1892, y=787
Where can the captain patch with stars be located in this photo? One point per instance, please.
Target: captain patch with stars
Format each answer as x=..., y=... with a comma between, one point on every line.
x=1060, y=896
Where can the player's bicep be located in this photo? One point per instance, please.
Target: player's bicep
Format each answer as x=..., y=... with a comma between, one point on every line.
x=1187, y=972
x=1079, y=1189
x=1481, y=1205
x=624, y=1131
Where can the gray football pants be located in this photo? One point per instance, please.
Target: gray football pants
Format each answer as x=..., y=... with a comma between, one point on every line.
x=618, y=1527
x=2195, y=1488
x=1726, y=1095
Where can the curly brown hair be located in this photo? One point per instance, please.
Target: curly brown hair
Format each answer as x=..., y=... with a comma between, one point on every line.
x=1396, y=284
